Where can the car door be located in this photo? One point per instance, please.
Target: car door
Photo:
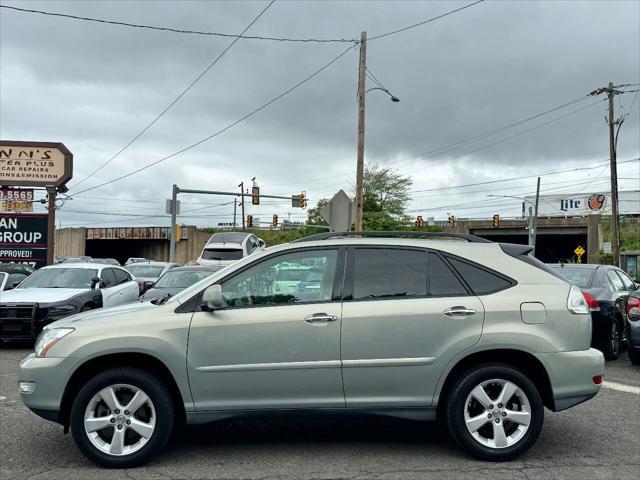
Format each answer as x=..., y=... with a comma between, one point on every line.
x=629, y=288
x=620, y=293
x=108, y=288
x=404, y=313
x=128, y=289
x=269, y=350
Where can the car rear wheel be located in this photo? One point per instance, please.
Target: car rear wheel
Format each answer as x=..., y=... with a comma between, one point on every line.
x=121, y=417
x=494, y=412
x=613, y=342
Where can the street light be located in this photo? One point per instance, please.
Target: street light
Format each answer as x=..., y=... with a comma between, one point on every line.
x=360, y=153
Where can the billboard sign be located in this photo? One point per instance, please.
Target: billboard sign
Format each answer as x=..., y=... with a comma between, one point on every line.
x=34, y=164
x=581, y=204
x=16, y=199
x=23, y=239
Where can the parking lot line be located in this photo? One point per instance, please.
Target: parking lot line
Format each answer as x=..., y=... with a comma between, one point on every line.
x=621, y=387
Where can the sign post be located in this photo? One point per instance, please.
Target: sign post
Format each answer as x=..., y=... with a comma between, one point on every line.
x=47, y=165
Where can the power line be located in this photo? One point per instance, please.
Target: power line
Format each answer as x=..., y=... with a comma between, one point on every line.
x=179, y=30
x=177, y=99
x=231, y=125
x=520, y=178
x=432, y=19
x=459, y=143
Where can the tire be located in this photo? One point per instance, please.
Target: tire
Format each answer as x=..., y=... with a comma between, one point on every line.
x=153, y=416
x=462, y=407
x=612, y=344
x=634, y=355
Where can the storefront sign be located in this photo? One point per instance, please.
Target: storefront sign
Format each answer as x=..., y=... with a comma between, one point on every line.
x=36, y=164
x=23, y=239
x=18, y=200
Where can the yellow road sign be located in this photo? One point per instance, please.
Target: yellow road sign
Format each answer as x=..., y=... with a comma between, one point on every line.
x=579, y=251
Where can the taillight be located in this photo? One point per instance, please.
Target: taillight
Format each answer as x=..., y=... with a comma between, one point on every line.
x=592, y=303
x=576, y=302
x=633, y=302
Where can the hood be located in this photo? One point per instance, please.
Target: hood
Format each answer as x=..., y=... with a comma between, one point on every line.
x=39, y=295
x=101, y=313
x=155, y=293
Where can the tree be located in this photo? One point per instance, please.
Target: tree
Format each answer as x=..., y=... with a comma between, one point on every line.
x=313, y=214
x=386, y=196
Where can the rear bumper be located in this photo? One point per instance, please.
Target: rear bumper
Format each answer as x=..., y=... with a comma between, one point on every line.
x=571, y=376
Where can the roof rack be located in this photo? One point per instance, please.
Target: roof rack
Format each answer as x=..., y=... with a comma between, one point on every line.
x=400, y=234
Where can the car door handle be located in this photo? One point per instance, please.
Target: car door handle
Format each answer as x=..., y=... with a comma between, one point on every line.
x=320, y=318
x=459, y=311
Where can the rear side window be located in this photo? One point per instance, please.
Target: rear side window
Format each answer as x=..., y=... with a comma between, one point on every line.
x=389, y=273
x=479, y=279
x=442, y=281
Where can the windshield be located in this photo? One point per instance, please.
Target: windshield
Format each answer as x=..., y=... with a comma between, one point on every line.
x=221, y=254
x=227, y=237
x=575, y=275
x=3, y=275
x=182, y=278
x=146, y=271
x=60, y=278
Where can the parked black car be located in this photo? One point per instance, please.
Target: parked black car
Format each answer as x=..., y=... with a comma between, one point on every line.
x=606, y=289
x=633, y=327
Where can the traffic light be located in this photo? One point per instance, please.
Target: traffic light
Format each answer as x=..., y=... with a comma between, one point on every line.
x=452, y=220
x=419, y=221
x=178, y=232
x=303, y=200
x=496, y=221
x=274, y=221
x=255, y=195
x=249, y=220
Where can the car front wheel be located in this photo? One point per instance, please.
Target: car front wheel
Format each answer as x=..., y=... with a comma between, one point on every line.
x=494, y=412
x=121, y=417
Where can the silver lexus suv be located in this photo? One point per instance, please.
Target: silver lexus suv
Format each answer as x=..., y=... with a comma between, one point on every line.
x=419, y=326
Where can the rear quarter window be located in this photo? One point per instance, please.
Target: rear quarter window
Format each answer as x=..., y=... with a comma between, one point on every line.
x=481, y=280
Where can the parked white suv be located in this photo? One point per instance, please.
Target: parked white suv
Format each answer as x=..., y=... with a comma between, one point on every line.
x=226, y=248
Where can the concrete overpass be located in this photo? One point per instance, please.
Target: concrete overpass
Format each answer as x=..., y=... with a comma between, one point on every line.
x=556, y=239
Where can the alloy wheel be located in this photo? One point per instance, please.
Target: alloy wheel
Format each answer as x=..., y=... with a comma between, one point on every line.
x=615, y=338
x=497, y=413
x=120, y=419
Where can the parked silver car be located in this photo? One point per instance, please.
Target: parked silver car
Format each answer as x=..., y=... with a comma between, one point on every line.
x=478, y=333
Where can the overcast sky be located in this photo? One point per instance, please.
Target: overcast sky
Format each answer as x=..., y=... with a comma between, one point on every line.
x=95, y=86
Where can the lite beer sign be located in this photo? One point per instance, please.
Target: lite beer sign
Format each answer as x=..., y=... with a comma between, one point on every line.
x=23, y=239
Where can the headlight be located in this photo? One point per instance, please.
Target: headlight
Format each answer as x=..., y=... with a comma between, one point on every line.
x=48, y=338
x=61, y=310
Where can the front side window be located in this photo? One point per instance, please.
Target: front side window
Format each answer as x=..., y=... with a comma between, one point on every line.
x=121, y=276
x=60, y=278
x=15, y=278
x=284, y=279
x=108, y=277
x=389, y=273
x=626, y=281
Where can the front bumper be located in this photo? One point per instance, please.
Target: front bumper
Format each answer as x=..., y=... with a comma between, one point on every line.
x=50, y=376
x=572, y=376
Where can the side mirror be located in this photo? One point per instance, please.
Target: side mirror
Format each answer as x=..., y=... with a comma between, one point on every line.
x=95, y=282
x=147, y=285
x=262, y=243
x=212, y=298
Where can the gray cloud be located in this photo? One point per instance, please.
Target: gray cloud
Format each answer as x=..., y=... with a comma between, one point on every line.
x=95, y=86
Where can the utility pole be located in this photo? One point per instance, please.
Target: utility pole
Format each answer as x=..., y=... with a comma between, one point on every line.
x=530, y=223
x=51, y=224
x=360, y=153
x=611, y=91
x=242, y=197
x=615, y=220
x=235, y=205
x=535, y=218
x=174, y=212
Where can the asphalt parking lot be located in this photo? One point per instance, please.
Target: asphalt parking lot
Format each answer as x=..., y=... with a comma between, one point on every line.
x=596, y=440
